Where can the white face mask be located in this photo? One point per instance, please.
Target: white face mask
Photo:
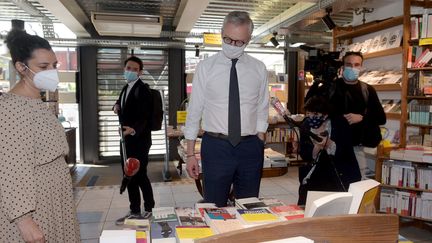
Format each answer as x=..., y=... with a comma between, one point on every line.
x=46, y=80
x=232, y=52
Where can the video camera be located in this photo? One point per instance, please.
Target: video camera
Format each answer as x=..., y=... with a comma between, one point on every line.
x=321, y=64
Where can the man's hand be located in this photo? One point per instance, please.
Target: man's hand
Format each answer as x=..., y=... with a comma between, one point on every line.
x=128, y=131
x=192, y=167
x=261, y=136
x=30, y=231
x=353, y=118
x=116, y=108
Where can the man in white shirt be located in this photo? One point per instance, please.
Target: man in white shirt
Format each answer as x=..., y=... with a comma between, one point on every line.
x=230, y=95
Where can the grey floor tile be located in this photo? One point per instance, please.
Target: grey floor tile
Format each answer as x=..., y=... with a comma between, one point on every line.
x=91, y=230
x=98, y=194
x=91, y=216
x=90, y=241
x=94, y=204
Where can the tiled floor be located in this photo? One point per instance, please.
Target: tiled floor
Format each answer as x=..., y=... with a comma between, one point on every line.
x=99, y=207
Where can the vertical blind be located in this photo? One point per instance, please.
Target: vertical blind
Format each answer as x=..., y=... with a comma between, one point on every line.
x=110, y=62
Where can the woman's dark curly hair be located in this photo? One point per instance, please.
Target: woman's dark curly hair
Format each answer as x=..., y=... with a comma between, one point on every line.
x=21, y=45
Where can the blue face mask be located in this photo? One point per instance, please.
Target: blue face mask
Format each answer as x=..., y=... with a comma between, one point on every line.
x=130, y=76
x=315, y=121
x=351, y=74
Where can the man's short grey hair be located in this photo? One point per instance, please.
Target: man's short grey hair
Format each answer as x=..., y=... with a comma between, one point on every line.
x=239, y=18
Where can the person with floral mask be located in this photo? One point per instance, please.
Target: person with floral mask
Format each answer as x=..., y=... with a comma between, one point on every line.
x=230, y=95
x=359, y=104
x=331, y=163
x=134, y=108
x=36, y=202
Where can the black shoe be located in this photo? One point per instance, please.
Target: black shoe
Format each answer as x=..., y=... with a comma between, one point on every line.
x=129, y=215
x=146, y=215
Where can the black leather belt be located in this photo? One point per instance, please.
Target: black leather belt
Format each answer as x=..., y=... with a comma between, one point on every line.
x=225, y=137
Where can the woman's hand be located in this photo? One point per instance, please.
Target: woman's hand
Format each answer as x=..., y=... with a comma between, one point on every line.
x=30, y=231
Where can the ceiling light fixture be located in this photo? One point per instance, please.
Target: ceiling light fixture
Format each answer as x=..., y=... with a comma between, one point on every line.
x=273, y=40
x=328, y=21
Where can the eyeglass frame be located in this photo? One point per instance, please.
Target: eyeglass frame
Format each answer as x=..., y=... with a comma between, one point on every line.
x=229, y=41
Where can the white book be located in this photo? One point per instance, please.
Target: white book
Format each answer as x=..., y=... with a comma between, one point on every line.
x=115, y=236
x=320, y=203
x=364, y=193
x=383, y=41
x=394, y=39
x=374, y=46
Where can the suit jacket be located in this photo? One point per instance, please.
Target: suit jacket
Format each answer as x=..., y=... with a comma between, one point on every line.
x=136, y=112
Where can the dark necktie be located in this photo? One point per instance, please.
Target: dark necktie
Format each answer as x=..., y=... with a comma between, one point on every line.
x=234, y=126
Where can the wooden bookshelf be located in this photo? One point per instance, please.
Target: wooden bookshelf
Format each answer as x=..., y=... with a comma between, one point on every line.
x=417, y=125
x=348, y=33
x=419, y=69
x=411, y=97
x=393, y=116
x=383, y=53
x=387, y=87
x=406, y=188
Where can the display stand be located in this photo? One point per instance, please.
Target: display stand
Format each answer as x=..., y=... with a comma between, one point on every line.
x=335, y=229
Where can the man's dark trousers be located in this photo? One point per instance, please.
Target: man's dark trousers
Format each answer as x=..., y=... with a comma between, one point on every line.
x=224, y=164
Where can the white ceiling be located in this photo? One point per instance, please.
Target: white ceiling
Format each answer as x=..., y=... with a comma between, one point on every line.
x=189, y=18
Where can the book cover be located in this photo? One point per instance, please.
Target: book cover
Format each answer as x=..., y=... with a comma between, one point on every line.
x=249, y=203
x=288, y=212
x=188, y=217
x=163, y=231
x=272, y=202
x=164, y=214
x=363, y=196
x=383, y=41
x=188, y=233
x=262, y=215
x=375, y=44
x=141, y=237
x=113, y=236
x=218, y=214
x=394, y=39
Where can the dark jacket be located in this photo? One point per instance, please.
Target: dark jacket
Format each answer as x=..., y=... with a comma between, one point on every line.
x=136, y=113
x=324, y=178
x=349, y=99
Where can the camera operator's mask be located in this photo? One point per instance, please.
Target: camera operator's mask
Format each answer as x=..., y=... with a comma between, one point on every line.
x=350, y=74
x=316, y=121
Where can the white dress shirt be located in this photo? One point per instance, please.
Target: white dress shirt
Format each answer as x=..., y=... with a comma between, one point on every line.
x=210, y=95
x=130, y=86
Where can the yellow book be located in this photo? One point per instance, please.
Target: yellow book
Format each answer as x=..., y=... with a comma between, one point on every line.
x=261, y=215
x=193, y=232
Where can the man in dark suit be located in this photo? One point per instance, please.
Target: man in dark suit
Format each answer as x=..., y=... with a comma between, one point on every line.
x=134, y=108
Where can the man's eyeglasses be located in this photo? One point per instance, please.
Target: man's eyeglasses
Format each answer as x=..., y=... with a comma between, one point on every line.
x=230, y=41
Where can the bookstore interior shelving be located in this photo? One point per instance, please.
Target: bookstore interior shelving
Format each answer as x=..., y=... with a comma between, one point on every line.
x=403, y=180
x=406, y=174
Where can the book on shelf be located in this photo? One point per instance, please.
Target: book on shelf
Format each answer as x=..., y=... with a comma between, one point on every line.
x=256, y=216
x=375, y=44
x=186, y=234
x=406, y=203
x=365, y=47
x=383, y=42
x=163, y=231
x=187, y=216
